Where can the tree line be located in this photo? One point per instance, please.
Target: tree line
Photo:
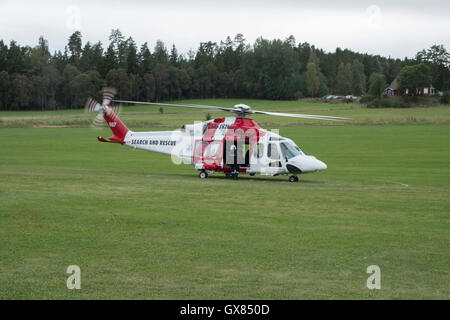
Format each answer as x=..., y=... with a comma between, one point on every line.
x=33, y=78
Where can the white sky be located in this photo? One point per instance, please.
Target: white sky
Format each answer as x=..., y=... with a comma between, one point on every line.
x=391, y=28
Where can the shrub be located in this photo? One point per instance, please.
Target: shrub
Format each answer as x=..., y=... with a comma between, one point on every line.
x=366, y=99
x=388, y=103
x=445, y=99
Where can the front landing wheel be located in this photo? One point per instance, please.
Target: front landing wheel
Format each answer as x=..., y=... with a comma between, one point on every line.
x=203, y=174
x=293, y=179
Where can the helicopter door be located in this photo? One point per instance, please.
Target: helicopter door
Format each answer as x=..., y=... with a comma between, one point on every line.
x=199, y=149
x=257, y=158
x=274, y=156
x=273, y=153
x=209, y=154
x=241, y=155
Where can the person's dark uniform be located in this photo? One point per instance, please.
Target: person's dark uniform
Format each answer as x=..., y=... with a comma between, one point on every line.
x=235, y=164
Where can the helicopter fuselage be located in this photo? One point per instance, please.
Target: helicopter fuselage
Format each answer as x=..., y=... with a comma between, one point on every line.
x=224, y=144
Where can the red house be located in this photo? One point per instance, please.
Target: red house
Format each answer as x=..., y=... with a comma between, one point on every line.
x=392, y=90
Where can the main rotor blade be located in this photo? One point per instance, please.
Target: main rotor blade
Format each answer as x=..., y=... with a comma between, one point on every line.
x=238, y=111
x=297, y=115
x=195, y=106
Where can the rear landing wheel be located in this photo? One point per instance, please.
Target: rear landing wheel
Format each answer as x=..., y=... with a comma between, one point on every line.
x=293, y=179
x=203, y=174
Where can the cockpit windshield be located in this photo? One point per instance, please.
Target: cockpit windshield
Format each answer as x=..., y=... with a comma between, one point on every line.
x=290, y=150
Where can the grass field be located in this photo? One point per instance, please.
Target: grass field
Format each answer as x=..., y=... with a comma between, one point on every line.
x=140, y=227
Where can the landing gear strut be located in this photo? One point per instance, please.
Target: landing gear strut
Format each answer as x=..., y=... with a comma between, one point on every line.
x=293, y=179
x=203, y=174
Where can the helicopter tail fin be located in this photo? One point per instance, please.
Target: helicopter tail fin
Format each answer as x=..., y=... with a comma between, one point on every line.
x=116, y=125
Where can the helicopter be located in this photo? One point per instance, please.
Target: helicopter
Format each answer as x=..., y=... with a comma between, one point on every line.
x=232, y=145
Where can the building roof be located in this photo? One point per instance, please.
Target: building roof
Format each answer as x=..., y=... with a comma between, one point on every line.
x=394, y=84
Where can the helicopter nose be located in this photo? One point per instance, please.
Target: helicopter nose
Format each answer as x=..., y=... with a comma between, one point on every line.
x=321, y=165
x=313, y=164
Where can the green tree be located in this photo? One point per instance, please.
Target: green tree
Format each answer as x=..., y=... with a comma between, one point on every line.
x=74, y=46
x=38, y=92
x=117, y=44
x=162, y=81
x=312, y=78
x=3, y=56
x=132, y=60
x=84, y=85
x=53, y=78
x=4, y=89
x=148, y=87
x=438, y=59
x=118, y=78
x=145, y=59
x=344, y=78
x=110, y=60
x=43, y=46
x=69, y=73
x=358, y=78
x=414, y=77
x=86, y=60
x=160, y=53
x=37, y=57
x=270, y=66
x=173, y=58
x=15, y=58
x=20, y=89
x=377, y=84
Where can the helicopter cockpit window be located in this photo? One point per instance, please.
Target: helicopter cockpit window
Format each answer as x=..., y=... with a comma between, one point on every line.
x=272, y=151
x=290, y=150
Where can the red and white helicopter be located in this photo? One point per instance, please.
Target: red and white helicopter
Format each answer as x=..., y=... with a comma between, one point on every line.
x=232, y=145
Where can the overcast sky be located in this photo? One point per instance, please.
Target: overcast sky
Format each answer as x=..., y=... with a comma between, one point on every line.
x=393, y=28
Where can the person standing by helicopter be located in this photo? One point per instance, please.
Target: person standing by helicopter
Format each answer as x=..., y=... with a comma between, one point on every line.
x=232, y=159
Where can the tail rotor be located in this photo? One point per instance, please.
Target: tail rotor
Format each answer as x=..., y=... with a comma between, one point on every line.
x=92, y=106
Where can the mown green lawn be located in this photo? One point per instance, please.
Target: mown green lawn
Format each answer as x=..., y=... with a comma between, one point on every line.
x=140, y=227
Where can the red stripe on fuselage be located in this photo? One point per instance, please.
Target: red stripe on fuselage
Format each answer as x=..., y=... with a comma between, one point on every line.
x=211, y=129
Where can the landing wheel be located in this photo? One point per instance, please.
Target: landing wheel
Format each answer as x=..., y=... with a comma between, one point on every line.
x=293, y=179
x=203, y=174
x=252, y=174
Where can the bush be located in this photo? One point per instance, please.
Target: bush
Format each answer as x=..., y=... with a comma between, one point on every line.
x=388, y=103
x=366, y=99
x=445, y=99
